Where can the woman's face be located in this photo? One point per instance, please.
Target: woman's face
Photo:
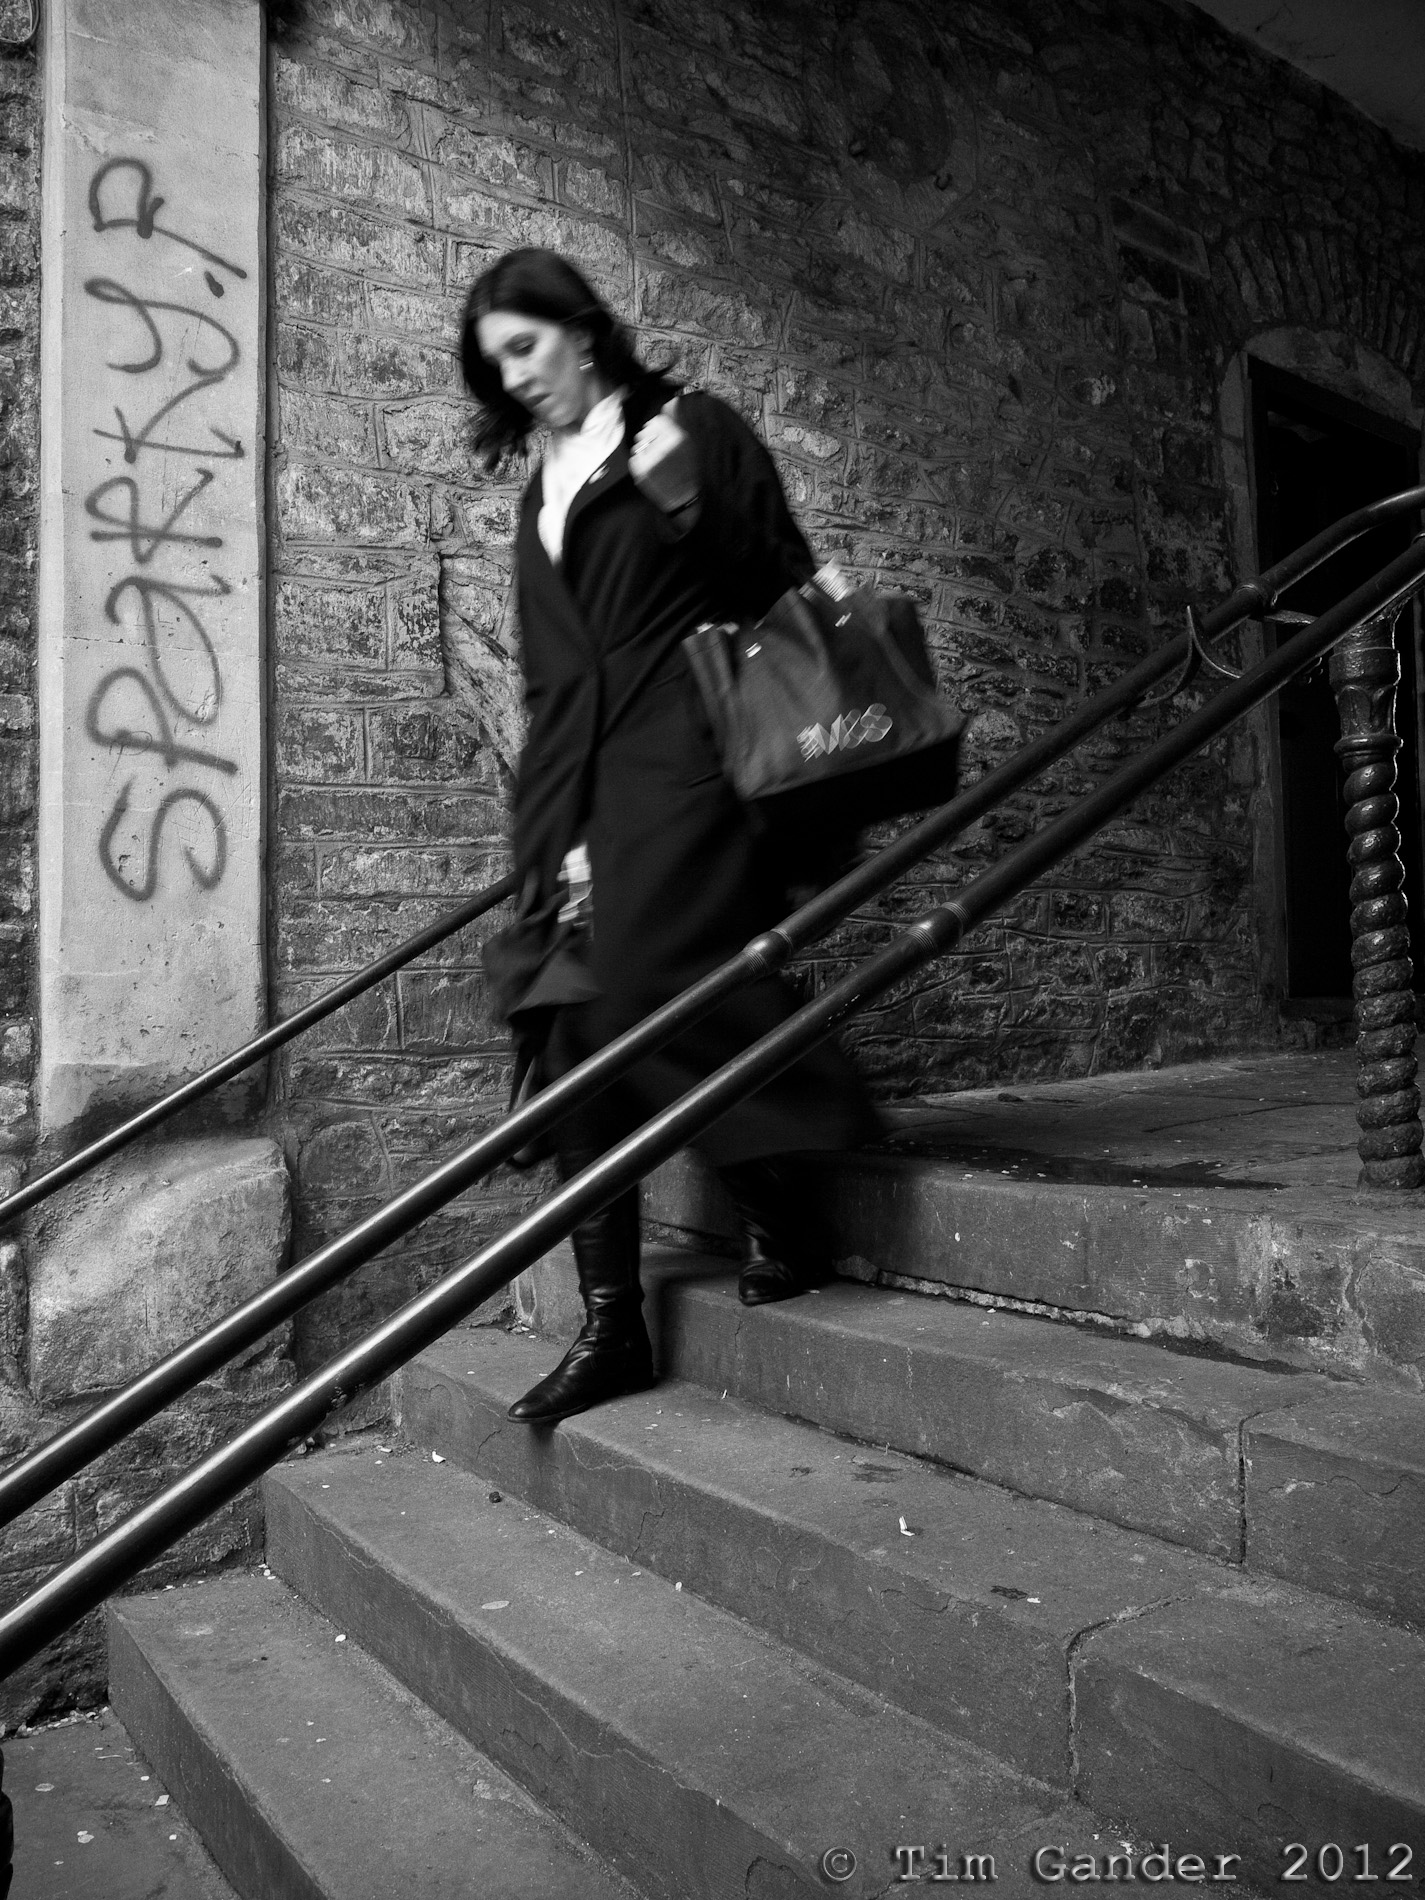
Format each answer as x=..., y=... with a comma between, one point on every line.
x=538, y=361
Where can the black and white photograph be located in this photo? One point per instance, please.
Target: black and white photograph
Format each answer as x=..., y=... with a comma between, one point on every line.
x=712, y=911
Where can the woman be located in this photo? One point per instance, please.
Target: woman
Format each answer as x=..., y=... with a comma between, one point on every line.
x=652, y=510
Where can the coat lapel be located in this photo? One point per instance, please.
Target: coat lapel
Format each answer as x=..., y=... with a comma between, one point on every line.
x=606, y=476
x=545, y=580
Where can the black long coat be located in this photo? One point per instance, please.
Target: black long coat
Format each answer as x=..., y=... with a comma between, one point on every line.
x=620, y=752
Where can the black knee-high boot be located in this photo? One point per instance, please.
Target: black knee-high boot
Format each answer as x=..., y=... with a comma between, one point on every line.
x=785, y=1246
x=611, y=1355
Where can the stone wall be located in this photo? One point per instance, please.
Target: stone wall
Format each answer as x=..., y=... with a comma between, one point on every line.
x=20, y=112
x=975, y=271
x=20, y=118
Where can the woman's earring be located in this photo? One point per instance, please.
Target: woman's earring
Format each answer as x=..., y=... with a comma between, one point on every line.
x=586, y=363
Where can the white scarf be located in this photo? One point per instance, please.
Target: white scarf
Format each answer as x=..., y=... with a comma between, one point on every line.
x=570, y=459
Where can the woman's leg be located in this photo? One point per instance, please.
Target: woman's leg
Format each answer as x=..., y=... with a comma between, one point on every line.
x=612, y=1354
x=786, y=1247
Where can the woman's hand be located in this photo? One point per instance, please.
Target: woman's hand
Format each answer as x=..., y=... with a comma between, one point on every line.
x=664, y=463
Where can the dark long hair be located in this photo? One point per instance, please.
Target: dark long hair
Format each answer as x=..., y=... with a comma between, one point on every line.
x=536, y=283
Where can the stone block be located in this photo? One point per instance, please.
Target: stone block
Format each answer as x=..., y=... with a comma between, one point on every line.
x=368, y=1021
x=449, y=873
x=340, y=234
x=1243, y=1720
x=17, y=1049
x=393, y=366
x=329, y=623
x=446, y=1010
x=306, y=356
x=325, y=426
x=319, y=503
x=422, y=746
x=314, y=744
x=361, y=174
x=17, y=780
x=412, y=312
x=15, y=948
x=1334, y=1495
x=306, y=290
x=590, y=189
x=496, y=159
x=146, y=1252
x=430, y=438
x=342, y=1154
x=330, y=98
x=389, y=816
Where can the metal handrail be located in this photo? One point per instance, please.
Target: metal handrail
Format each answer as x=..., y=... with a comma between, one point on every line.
x=117, y=1556
x=230, y=1065
x=60, y=1457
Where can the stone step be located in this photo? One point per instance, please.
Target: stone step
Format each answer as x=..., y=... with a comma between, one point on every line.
x=1295, y=1474
x=309, y=1772
x=1318, y=1278
x=1002, y=1619
x=696, y=1754
x=1335, y=1496
x=954, y=1599
x=1261, y=1717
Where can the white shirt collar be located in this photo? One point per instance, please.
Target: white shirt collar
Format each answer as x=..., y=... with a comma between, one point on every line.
x=570, y=458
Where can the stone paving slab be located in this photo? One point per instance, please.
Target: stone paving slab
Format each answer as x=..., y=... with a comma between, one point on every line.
x=1242, y=1722
x=312, y=1775
x=1265, y=1121
x=697, y=1754
x=93, y=1820
x=954, y=1599
x=1336, y=1497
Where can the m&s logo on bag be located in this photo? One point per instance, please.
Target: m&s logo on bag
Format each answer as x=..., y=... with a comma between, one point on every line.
x=848, y=729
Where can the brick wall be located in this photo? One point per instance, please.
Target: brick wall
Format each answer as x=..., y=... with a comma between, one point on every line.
x=976, y=272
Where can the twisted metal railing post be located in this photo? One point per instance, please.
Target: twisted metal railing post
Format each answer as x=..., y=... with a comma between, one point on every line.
x=1365, y=673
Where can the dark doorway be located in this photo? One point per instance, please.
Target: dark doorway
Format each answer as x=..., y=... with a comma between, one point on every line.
x=1318, y=457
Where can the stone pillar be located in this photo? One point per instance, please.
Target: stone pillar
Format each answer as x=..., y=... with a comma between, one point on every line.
x=150, y=588
x=1365, y=672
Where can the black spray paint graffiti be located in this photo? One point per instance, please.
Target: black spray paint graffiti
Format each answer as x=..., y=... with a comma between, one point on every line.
x=130, y=710
x=145, y=212
x=204, y=375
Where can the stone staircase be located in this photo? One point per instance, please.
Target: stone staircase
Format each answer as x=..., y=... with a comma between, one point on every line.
x=869, y=1572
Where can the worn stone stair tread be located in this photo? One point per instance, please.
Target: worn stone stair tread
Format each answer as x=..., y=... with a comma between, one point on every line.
x=1121, y=1428
x=1216, y=1716
x=1333, y=1282
x=309, y=1772
x=968, y=1620
x=695, y=1753
x=1329, y=1495
x=1143, y=1437
x=1336, y=1496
